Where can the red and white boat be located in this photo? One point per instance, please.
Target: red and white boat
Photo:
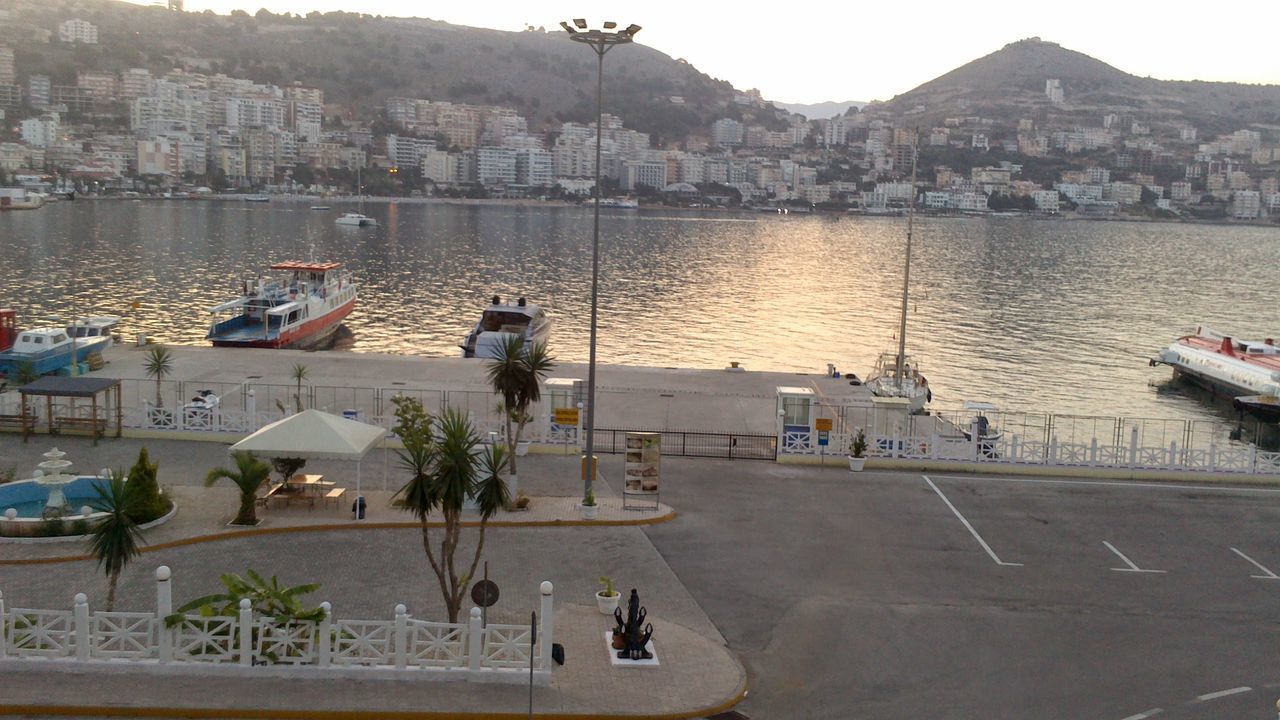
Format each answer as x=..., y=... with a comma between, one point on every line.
x=301, y=308
x=1247, y=368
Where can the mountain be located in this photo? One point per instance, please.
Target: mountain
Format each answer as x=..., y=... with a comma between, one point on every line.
x=360, y=60
x=1010, y=83
x=822, y=110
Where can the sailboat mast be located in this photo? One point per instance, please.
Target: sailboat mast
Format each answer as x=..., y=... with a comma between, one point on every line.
x=906, y=272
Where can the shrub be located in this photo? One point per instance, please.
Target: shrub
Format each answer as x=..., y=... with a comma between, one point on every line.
x=145, y=500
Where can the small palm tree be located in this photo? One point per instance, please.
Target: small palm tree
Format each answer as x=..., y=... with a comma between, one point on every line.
x=249, y=475
x=114, y=538
x=25, y=373
x=446, y=470
x=516, y=373
x=159, y=365
x=299, y=374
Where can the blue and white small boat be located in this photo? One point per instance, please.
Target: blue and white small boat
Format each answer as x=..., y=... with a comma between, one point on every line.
x=48, y=349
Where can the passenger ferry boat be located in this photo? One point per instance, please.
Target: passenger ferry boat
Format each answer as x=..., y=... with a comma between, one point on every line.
x=1247, y=369
x=300, y=309
x=48, y=349
x=500, y=320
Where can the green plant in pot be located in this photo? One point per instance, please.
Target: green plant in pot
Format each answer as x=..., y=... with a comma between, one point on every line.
x=858, y=451
x=589, y=507
x=607, y=598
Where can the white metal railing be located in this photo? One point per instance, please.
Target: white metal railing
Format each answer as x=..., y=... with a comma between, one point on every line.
x=1010, y=449
x=248, y=639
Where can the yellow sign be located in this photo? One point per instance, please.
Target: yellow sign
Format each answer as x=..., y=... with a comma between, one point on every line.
x=822, y=424
x=565, y=416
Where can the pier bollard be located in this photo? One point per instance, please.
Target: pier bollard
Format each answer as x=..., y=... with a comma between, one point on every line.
x=326, y=642
x=548, y=624
x=475, y=640
x=246, y=632
x=402, y=637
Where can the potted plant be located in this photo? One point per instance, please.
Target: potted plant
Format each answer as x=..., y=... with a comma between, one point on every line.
x=607, y=599
x=858, y=451
x=589, y=507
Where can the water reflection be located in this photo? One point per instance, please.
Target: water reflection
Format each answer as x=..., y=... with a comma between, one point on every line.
x=1029, y=314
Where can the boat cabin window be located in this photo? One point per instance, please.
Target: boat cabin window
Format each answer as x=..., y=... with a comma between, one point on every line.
x=60, y=337
x=26, y=338
x=293, y=317
x=494, y=321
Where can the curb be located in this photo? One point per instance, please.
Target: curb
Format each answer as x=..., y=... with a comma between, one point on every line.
x=250, y=714
x=254, y=532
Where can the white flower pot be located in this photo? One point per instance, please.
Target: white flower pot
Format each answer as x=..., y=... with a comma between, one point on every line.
x=522, y=448
x=607, y=603
x=589, y=511
x=856, y=463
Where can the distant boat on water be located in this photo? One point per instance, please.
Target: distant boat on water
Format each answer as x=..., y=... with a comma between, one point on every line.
x=257, y=198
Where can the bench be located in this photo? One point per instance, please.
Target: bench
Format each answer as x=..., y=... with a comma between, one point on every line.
x=335, y=494
x=18, y=422
x=96, y=426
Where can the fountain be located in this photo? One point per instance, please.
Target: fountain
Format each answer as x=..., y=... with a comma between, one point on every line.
x=56, y=506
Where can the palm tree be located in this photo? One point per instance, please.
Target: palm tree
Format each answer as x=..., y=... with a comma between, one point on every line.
x=158, y=364
x=446, y=471
x=299, y=374
x=516, y=373
x=249, y=475
x=114, y=538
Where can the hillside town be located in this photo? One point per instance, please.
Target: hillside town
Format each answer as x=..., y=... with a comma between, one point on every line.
x=190, y=132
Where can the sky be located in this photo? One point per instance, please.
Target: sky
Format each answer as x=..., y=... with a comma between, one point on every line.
x=834, y=51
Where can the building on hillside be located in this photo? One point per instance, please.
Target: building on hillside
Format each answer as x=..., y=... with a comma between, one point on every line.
x=159, y=157
x=78, y=31
x=1053, y=91
x=136, y=83
x=1246, y=204
x=38, y=88
x=7, y=74
x=725, y=132
x=534, y=167
x=1046, y=200
x=651, y=173
x=40, y=131
x=495, y=165
x=101, y=86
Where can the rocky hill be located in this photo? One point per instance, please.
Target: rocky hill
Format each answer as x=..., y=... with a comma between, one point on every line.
x=360, y=60
x=1010, y=83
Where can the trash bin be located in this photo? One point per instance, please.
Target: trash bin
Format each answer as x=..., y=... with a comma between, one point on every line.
x=357, y=507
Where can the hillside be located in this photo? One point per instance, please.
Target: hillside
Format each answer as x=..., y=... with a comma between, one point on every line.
x=822, y=110
x=1010, y=83
x=361, y=60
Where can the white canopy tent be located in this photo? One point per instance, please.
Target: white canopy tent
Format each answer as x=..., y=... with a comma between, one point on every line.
x=312, y=434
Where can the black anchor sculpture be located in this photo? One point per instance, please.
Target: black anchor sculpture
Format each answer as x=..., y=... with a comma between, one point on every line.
x=633, y=637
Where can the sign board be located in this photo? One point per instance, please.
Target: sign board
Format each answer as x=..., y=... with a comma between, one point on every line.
x=643, y=462
x=484, y=593
x=822, y=424
x=566, y=416
x=824, y=438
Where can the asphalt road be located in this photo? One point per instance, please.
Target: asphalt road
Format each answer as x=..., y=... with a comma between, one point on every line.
x=872, y=596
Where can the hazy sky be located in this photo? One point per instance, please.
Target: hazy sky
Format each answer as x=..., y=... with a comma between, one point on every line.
x=824, y=50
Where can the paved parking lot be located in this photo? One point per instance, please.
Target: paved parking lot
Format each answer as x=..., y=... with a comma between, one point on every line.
x=896, y=595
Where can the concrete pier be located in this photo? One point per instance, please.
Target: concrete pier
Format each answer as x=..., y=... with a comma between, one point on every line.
x=729, y=400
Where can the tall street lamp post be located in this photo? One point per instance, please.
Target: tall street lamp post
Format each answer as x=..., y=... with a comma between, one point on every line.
x=601, y=41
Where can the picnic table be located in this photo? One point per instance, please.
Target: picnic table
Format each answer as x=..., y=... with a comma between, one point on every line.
x=304, y=488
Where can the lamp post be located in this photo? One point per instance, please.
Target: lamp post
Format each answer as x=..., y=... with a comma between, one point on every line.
x=601, y=41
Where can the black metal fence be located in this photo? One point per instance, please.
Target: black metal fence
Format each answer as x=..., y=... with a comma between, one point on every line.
x=732, y=446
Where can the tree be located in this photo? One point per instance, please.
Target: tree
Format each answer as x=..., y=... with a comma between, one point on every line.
x=113, y=541
x=516, y=373
x=159, y=365
x=445, y=472
x=249, y=475
x=299, y=373
x=145, y=500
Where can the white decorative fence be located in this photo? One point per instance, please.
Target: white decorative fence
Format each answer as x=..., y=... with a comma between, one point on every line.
x=1237, y=458
x=474, y=650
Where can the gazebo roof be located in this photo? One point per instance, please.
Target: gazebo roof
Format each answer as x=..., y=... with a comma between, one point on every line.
x=62, y=386
x=313, y=434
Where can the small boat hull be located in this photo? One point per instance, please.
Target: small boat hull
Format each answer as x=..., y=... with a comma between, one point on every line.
x=310, y=334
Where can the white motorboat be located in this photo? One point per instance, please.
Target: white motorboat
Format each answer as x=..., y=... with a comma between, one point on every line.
x=95, y=326
x=356, y=220
x=500, y=321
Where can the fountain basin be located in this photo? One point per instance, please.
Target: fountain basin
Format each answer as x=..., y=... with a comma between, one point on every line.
x=28, y=498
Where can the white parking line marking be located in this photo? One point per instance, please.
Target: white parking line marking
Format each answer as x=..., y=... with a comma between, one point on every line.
x=1111, y=483
x=1269, y=575
x=1144, y=715
x=973, y=532
x=1223, y=693
x=1127, y=561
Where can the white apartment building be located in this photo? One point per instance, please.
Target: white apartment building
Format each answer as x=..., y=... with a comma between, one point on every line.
x=715, y=170
x=692, y=169
x=38, y=89
x=937, y=200
x=77, y=30
x=979, y=142
x=969, y=201
x=652, y=173
x=437, y=166
x=1246, y=204
x=1123, y=193
x=495, y=165
x=40, y=131
x=534, y=167
x=726, y=132
x=1180, y=191
x=1046, y=200
x=835, y=131
x=1053, y=91
x=1097, y=175
x=895, y=190
x=265, y=113
x=102, y=86
x=403, y=152
x=304, y=119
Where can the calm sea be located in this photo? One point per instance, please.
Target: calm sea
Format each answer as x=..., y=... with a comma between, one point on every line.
x=1056, y=316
